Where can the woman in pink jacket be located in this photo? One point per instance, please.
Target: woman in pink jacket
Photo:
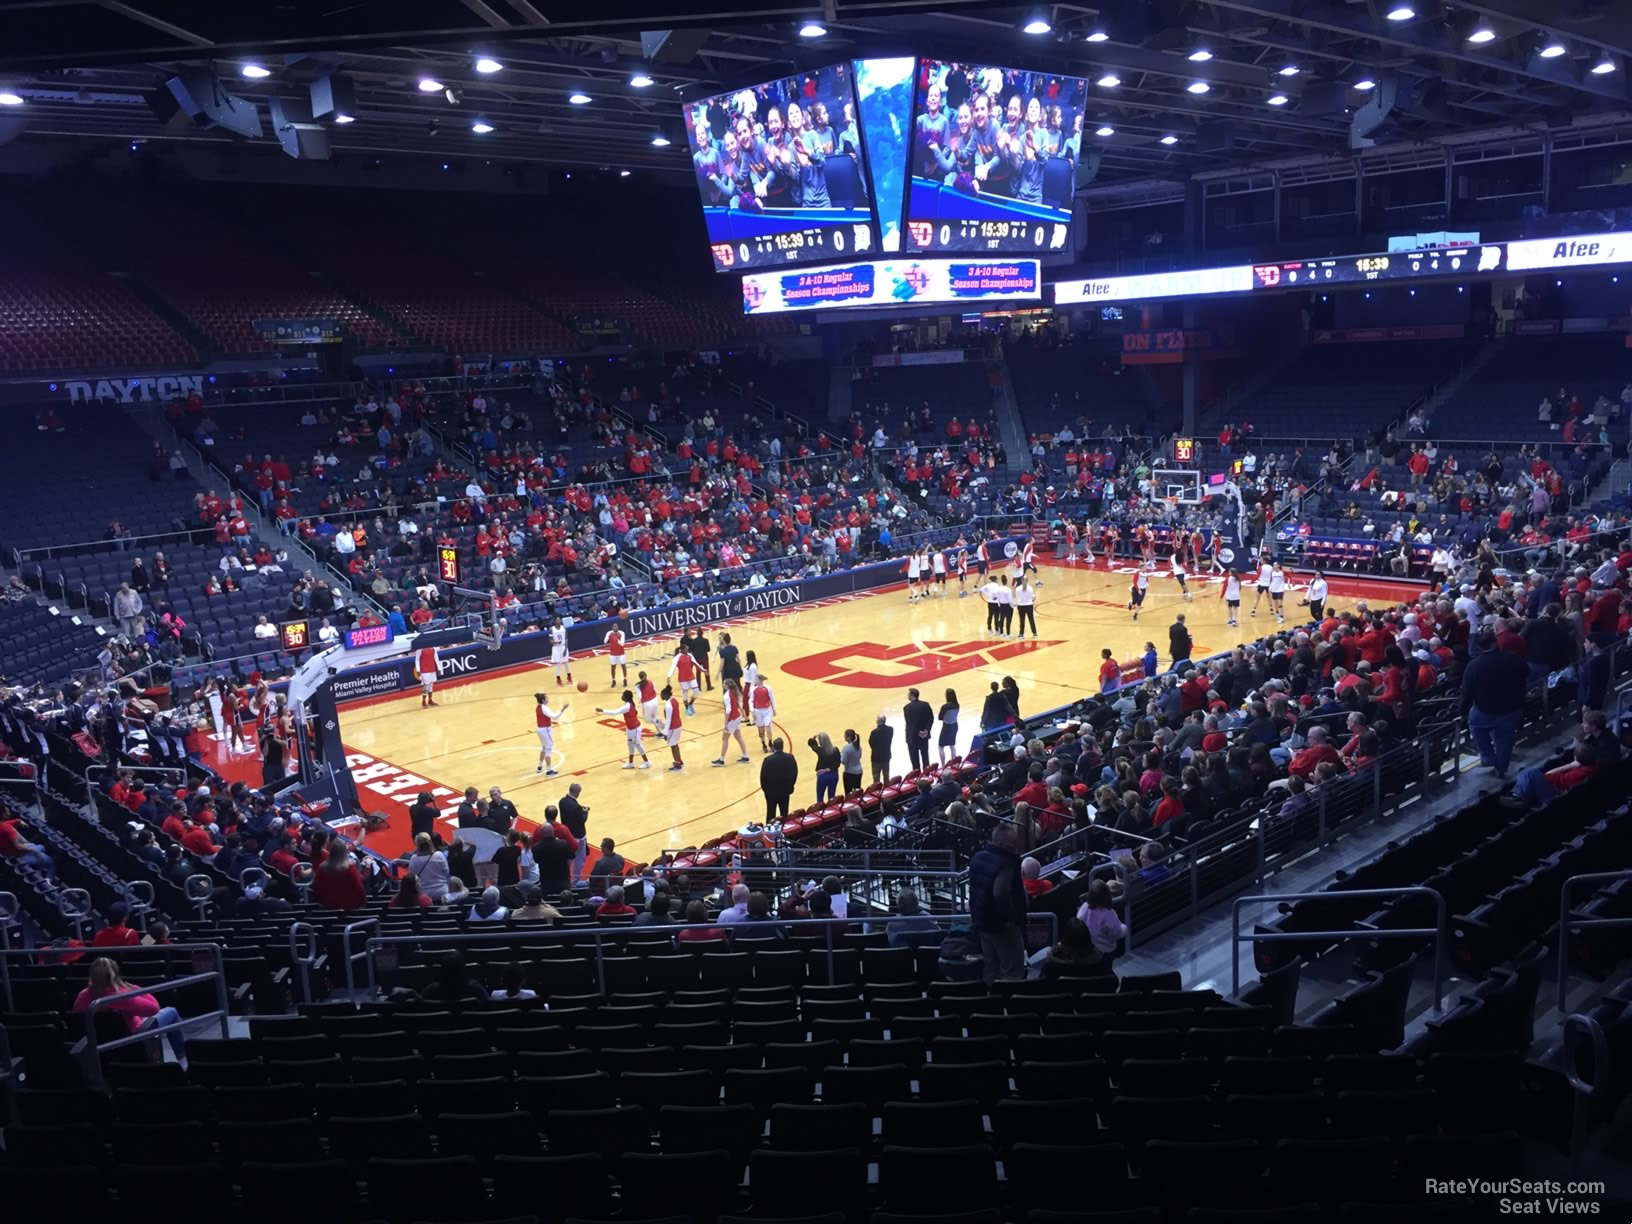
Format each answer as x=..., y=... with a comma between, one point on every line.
x=140, y=1011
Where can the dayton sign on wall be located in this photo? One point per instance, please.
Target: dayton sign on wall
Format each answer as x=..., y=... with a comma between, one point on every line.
x=146, y=389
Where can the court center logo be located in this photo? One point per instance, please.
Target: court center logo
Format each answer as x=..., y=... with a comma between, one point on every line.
x=869, y=665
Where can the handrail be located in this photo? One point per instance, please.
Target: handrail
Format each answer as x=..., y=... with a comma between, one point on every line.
x=1576, y=1027
x=304, y=963
x=1438, y=931
x=1566, y=923
x=10, y=907
x=533, y=933
x=91, y=771
x=79, y=916
x=141, y=899
x=92, y=1049
x=199, y=897
x=349, y=956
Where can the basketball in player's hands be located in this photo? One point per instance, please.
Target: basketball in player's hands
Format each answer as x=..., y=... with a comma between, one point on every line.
x=583, y=686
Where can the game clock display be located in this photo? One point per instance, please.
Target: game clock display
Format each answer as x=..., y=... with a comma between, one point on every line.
x=296, y=636
x=447, y=563
x=1363, y=269
x=369, y=635
x=794, y=246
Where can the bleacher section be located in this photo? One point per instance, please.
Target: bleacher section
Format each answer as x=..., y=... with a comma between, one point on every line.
x=1081, y=382
x=1364, y=386
x=1502, y=399
x=41, y=644
x=960, y=389
x=60, y=311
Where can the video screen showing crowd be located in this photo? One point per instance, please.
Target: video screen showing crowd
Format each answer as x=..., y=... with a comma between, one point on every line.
x=780, y=171
x=995, y=150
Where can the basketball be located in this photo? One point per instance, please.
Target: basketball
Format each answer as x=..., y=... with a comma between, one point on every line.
x=623, y=613
x=583, y=686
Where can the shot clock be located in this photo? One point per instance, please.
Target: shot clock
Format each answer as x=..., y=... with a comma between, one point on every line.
x=296, y=636
x=447, y=562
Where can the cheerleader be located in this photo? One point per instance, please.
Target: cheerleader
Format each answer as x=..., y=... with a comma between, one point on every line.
x=559, y=658
x=1231, y=594
x=735, y=706
x=1136, y=591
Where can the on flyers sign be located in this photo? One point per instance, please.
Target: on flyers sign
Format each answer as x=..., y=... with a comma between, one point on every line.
x=146, y=389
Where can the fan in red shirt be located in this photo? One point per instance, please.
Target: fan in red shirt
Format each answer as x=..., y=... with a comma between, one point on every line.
x=118, y=933
x=338, y=884
x=1306, y=760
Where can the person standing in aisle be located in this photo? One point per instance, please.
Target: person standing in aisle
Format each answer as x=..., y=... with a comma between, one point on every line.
x=575, y=819
x=1025, y=604
x=1317, y=597
x=947, y=745
x=919, y=718
x=997, y=901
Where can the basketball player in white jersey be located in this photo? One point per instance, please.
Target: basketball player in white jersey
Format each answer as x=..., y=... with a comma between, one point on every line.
x=1277, y=592
x=735, y=707
x=558, y=653
x=1231, y=594
x=1028, y=559
x=963, y=572
x=668, y=726
x=1179, y=575
x=629, y=712
x=1137, y=589
x=937, y=565
x=615, y=655
x=762, y=707
x=547, y=718
x=1265, y=570
x=913, y=569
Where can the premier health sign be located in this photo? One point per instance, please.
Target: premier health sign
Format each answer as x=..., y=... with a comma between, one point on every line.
x=892, y=282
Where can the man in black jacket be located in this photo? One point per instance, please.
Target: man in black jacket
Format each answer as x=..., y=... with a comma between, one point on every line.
x=919, y=717
x=422, y=816
x=1493, y=692
x=778, y=775
x=880, y=741
x=997, y=903
x=1178, y=640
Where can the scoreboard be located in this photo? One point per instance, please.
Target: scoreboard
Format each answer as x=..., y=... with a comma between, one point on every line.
x=296, y=636
x=1364, y=269
x=447, y=562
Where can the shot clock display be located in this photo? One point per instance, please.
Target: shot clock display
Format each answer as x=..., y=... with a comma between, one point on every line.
x=781, y=171
x=447, y=563
x=296, y=636
x=994, y=159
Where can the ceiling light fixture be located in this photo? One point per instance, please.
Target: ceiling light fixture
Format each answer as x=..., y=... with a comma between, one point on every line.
x=1278, y=99
x=1291, y=70
x=813, y=29
x=1198, y=87
x=1482, y=34
x=255, y=72
x=1037, y=23
x=1401, y=12
x=1200, y=56
x=1170, y=139
x=623, y=174
x=345, y=118
x=11, y=99
x=578, y=98
x=1552, y=49
x=487, y=65
x=1604, y=64
x=1365, y=83
x=641, y=80
x=430, y=85
x=1109, y=81
x=661, y=142
x=1098, y=36
x=1105, y=130
x=481, y=127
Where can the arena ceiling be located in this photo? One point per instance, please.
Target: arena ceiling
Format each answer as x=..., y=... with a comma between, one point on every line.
x=84, y=69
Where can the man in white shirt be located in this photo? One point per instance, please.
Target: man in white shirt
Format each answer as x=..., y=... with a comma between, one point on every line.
x=407, y=528
x=264, y=629
x=738, y=909
x=327, y=633
x=344, y=543
x=1467, y=605
x=991, y=591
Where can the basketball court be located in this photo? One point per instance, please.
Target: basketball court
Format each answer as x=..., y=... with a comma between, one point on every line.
x=832, y=665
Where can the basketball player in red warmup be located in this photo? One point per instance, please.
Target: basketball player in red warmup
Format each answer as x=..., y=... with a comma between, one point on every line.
x=735, y=706
x=630, y=713
x=646, y=694
x=668, y=725
x=425, y=667
x=763, y=704
x=684, y=669
x=615, y=656
x=547, y=718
